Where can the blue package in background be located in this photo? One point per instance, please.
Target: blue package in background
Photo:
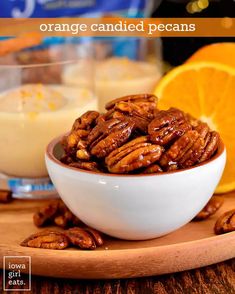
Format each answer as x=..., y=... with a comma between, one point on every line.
x=74, y=8
x=82, y=8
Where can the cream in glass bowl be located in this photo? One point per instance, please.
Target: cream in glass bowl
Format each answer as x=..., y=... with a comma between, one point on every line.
x=34, y=105
x=117, y=77
x=30, y=115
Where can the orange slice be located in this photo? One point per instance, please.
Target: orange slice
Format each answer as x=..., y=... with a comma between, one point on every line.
x=207, y=91
x=219, y=52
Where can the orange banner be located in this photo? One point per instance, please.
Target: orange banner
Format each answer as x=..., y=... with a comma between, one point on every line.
x=116, y=27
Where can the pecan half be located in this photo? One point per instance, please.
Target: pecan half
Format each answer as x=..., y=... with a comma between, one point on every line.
x=225, y=223
x=167, y=126
x=211, y=145
x=109, y=135
x=86, y=122
x=46, y=213
x=47, y=239
x=211, y=208
x=95, y=235
x=185, y=152
x=152, y=169
x=55, y=212
x=86, y=238
x=143, y=104
x=133, y=155
x=140, y=108
x=76, y=139
x=203, y=129
x=87, y=165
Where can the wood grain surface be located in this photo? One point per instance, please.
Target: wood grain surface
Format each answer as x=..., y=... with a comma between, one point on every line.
x=192, y=246
x=214, y=279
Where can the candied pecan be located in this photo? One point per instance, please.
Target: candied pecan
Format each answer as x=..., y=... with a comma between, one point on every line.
x=64, y=217
x=55, y=212
x=95, y=235
x=192, y=120
x=76, y=139
x=109, y=135
x=153, y=168
x=87, y=165
x=192, y=155
x=167, y=126
x=211, y=145
x=86, y=122
x=140, y=108
x=203, y=129
x=225, y=223
x=133, y=155
x=211, y=208
x=81, y=238
x=46, y=213
x=47, y=239
x=145, y=103
x=185, y=151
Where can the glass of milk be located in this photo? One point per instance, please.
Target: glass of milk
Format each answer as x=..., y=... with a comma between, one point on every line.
x=35, y=107
x=123, y=66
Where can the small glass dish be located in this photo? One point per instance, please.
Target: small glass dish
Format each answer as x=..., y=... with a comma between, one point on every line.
x=35, y=106
x=123, y=66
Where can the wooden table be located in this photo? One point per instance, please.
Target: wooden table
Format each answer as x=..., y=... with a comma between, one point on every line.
x=214, y=279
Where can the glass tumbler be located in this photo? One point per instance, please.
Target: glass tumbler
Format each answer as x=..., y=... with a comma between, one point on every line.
x=123, y=66
x=35, y=107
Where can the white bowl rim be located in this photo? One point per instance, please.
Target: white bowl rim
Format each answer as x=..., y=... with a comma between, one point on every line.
x=56, y=141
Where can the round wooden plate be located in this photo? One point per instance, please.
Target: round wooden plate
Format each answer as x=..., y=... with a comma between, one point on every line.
x=192, y=246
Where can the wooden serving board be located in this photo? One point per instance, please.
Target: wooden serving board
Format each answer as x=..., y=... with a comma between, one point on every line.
x=192, y=246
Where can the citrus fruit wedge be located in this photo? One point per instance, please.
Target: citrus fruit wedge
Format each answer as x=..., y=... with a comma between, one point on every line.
x=206, y=90
x=218, y=52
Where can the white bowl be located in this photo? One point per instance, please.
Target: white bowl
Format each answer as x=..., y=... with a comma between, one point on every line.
x=135, y=207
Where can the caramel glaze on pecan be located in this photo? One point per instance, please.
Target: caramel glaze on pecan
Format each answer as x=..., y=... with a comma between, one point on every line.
x=75, y=143
x=109, y=135
x=47, y=239
x=167, y=126
x=85, y=238
x=211, y=208
x=133, y=155
x=140, y=108
x=225, y=223
x=55, y=212
x=152, y=169
x=190, y=149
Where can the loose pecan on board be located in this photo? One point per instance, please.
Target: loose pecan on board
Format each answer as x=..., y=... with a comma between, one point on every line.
x=47, y=239
x=225, y=223
x=55, y=212
x=211, y=208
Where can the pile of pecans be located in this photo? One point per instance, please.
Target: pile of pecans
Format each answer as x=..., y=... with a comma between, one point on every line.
x=133, y=136
x=70, y=230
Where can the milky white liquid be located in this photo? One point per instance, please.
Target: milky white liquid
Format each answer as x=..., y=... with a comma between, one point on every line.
x=116, y=77
x=30, y=117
